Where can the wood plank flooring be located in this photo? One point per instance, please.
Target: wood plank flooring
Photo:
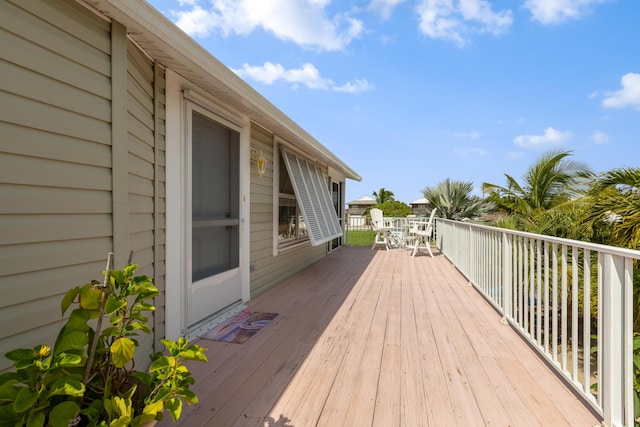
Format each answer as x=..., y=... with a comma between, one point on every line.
x=377, y=338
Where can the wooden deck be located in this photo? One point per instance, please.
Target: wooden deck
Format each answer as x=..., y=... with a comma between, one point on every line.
x=376, y=338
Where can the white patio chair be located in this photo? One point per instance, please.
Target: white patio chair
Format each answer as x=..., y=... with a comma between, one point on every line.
x=423, y=235
x=412, y=230
x=381, y=227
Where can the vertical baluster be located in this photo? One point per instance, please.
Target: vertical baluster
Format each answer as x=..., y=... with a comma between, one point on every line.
x=574, y=312
x=554, y=302
x=600, y=329
x=525, y=295
x=539, y=293
x=586, y=317
x=565, y=295
x=521, y=298
x=532, y=288
x=546, y=296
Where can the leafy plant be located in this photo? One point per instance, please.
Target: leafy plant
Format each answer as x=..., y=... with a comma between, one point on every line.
x=89, y=377
x=40, y=388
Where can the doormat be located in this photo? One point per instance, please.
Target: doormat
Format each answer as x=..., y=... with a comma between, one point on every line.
x=240, y=328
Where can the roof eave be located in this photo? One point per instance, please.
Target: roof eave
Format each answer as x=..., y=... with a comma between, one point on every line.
x=164, y=42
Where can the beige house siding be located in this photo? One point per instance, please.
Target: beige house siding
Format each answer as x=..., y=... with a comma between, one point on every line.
x=267, y=270
x=83, y=108
x=146, y=160
x=57, y=170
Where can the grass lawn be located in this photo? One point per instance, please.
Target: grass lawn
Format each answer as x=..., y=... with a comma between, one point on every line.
x=360, y=237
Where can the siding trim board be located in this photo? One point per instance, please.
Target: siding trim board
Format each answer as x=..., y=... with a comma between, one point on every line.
x=119, y=144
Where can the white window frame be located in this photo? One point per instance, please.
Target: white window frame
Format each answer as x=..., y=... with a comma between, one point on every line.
x=280, y=246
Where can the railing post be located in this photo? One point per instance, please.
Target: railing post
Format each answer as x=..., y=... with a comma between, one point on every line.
x=506, y=278
x=613, y=340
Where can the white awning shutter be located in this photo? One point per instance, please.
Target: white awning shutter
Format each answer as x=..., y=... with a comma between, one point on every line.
x=313, y=198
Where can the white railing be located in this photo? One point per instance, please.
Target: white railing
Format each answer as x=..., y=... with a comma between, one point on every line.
x=572, y=301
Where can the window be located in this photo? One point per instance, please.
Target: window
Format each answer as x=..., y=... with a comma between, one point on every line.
x=291, y=227
x=304, y=203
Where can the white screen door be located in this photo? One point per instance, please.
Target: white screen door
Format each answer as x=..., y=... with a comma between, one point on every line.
x=214, y=227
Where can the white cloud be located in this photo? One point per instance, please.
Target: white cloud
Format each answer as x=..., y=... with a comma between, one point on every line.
x=628, y=96
x=360, y=85
x=551, y=137
x=457, y=20
x=600, y=137
x=307, y=75
x=557, y=11
x=384, y=7
x=303, y=22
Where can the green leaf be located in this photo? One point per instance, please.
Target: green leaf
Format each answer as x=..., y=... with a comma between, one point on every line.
x=8, y=418
x=189, y=396
x=73, y=342
x=123, y=421
x=114, y=320
x=21, y=354
x=8, y=391
x=67, y=387
x=160, y=363
x=63, y=412
x=129, y=270
x=153, y=408
x=174, y=406
x=117, y=278
x=90, y=297
x=141, y=327
x=138, y=316
x=114, y=304
x=78, y=320
x=145, y=307
x=68, y=299
x=36, y=419
x=66, y=359
x=25, y=399
x=122, y=351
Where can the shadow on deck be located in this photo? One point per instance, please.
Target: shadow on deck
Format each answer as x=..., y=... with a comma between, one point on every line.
x=379, y=338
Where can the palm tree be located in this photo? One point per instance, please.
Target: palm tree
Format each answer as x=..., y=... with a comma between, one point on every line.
x=383, y=196
x=546, y=201
x=454, y=200
x=615, y=202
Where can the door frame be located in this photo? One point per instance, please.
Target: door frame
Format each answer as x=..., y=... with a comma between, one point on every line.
x=179, y=94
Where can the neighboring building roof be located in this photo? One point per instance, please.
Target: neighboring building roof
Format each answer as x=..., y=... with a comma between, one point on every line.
x=170, y=46
x=364, y=200
x=422, y=201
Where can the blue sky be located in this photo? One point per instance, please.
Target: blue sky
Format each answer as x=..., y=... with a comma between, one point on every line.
x=411, y=92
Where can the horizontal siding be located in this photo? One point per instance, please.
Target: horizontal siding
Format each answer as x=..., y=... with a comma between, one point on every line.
x=62, y=41
x=52, y=146
x=15, y=169
x=146, y=212
x=21, y=229
x=58, y=94
x=15, y=259
x=27, y=199
x=269, y=270
x=55, y=162
x=37, y=115
x=22, y=287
